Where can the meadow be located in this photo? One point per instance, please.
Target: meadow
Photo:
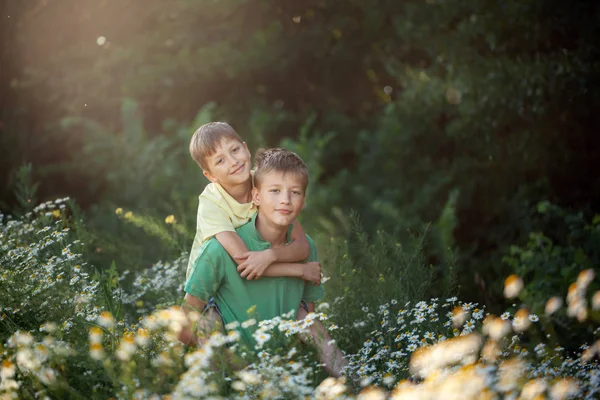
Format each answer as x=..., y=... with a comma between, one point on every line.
x=71, y=330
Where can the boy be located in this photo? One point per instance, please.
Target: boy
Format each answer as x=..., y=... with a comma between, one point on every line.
x=226, y=204
x=280, y=183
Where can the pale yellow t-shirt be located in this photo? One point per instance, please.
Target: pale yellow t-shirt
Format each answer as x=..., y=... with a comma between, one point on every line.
x=217, y=212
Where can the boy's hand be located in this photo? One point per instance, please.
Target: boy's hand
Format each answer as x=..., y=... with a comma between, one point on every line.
x=311, y=271
x=255, y=263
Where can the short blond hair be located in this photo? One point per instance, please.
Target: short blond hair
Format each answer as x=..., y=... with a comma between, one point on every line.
x=206, y=139
x=279, y=160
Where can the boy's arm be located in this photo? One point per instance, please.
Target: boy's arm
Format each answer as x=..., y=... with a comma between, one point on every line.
x=233, y=245
x=192, y=308
x=256, y=263
x=310, y=271
x=257, y=267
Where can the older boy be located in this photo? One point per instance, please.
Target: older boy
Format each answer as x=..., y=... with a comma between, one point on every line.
x=280, y=183
x=226, y=203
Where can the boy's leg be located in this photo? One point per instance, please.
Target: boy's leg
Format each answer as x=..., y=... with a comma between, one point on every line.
x=211, y=321
x=329, y=354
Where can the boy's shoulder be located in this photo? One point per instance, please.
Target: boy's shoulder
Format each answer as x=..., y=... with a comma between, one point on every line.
x=210, y=191
x=313, y=249
x=213, y=250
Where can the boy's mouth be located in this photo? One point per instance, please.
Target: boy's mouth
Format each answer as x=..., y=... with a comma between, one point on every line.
x=284, y=212
x=238, y=169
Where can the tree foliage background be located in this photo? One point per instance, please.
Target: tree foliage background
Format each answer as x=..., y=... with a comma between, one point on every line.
x=464, y=114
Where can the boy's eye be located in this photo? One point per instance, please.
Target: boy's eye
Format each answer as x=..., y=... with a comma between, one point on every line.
x=274, y=190
x=296, y=192
x=235, y=149
x=219, y=161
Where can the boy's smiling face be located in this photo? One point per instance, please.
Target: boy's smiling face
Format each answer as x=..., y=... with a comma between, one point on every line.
x=230, y=164
x=280, y=198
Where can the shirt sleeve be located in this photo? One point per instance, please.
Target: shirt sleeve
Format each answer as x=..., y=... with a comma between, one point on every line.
x=206, y=275
x=311, y=292
x=212, y=219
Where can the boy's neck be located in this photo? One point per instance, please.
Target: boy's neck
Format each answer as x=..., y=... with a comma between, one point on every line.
x=242, y=193
x=274, y=234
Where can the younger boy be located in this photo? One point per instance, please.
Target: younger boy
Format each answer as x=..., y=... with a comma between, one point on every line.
x=226, y=203
x=280, y=182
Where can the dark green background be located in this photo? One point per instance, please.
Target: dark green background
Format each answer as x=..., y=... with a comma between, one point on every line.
x=400, y=108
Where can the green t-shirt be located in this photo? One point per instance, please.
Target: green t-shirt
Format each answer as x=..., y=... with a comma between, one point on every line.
x=215, y=275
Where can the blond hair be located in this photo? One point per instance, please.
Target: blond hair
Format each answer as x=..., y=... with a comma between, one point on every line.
x=206, y=139
x=279, y=160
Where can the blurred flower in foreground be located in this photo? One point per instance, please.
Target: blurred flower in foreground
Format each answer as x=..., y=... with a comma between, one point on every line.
x=513, y=286
x=553, y=305
x=521, y=320
x=564, y=389
x=596, y=301
x=170, y=219
x=106, y=320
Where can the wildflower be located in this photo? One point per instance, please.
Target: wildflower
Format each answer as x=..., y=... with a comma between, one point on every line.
x=366, y=381
x=505, y=315
x=330, y=388
x=496, y=328
x=8, y=369
x=521, y=321
x=170, y=220
x=553, y=304
x=371, y=393
x=95, y=335
x=585, y=277
x=47, y=376
x=248, y=323
x=239, y=386
x=509, y=372
x=249, y=377
x=96, y=351
x=126, y=348
x=142, y=338
x=532, y=389
x=564, y=388
x=459, y=316
x=49, y=327
x=477, y=314
x=389, y=379
x=106, y=320
x=533, y=318
x=512, y=286
x=261, y=338
x=469, y=326
x=232, y=325
x=23, y=338
x=596, y=301
x=163, y=360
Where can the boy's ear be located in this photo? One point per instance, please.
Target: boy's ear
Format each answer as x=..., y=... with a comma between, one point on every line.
x=255, y=196
x=209, y=176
